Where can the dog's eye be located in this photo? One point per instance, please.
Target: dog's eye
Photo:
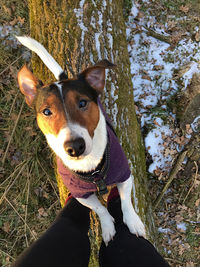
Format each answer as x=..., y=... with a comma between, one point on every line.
x=47, y=112
x=82, y=103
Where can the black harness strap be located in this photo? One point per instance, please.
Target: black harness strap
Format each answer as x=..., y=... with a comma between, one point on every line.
x=101, y=170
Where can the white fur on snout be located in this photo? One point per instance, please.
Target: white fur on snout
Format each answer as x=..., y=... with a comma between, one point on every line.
x=57, y=142
x=94, y=150
x=78, y=131
x=69, y=134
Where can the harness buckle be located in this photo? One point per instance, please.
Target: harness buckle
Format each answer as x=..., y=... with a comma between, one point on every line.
x=95, y=172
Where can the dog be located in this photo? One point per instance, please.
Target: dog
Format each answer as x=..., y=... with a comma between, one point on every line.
x=89, y=156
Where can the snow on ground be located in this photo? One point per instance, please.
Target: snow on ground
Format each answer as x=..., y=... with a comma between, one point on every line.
x=8, y=39
x=7, y=34
x=153, y=66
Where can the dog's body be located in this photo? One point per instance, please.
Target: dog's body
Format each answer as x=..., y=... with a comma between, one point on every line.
x=70, y=116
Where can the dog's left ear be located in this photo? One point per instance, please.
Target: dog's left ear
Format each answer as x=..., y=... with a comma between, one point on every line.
x=95, y=75
x=28, y=84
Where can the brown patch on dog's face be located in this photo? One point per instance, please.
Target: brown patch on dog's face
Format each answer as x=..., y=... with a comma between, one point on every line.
x=51, y=124
x=87, y=116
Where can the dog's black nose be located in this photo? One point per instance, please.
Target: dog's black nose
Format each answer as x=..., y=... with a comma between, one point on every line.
x=75, y=148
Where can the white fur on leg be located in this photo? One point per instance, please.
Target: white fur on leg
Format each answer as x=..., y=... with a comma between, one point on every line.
x=107, y=221
x=130, y=217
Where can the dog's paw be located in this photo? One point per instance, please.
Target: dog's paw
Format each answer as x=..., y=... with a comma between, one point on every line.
x=134, y=223
x=108, y=228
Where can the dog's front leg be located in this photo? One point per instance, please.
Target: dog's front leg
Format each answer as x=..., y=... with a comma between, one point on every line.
x=130, y=217
x=107, y=221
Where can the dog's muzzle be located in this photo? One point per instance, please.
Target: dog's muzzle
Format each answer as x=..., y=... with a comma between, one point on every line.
x=75, y=148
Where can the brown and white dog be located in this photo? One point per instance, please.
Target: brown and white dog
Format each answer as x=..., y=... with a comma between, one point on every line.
x=68, y=114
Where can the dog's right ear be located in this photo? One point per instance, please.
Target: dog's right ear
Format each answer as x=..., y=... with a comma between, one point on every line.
x=95, y=75
x=27, y=83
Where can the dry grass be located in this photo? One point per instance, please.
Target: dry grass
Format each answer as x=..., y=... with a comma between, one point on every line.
x=28, y=191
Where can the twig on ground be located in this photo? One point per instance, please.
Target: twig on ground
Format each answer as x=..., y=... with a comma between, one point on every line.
x=48, y=179
x=158, y=36
x=13, y=103
x=55, y=203
x=195, y=178
x=34, y=237
x=6, y=254
x=26, y=207
x=172, y=175
x=173, y=260
x=13, y=131
x=12, y=174
x=13, y=63
x=12, y=183
x=13, y=244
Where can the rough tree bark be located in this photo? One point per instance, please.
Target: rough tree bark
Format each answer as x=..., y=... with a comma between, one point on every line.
x=81, y=33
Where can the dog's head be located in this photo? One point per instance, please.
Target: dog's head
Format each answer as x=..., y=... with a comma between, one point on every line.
x=67, y=112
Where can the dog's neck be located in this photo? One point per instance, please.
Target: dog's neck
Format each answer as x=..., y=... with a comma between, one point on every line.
x=91, y=161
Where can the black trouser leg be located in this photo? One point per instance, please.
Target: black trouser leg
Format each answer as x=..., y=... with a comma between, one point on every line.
x=65, y=243
x=126, y=249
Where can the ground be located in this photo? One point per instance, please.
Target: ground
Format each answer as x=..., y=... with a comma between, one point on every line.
x=163, y=38
x=29, y=199
x=164, y=52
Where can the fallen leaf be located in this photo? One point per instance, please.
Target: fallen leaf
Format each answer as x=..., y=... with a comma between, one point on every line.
x=175, y=38
x=6, y=227
x=184, y=9
x=145, y=72
x=157, y=171
x=42, y=212
x=21, y=20
x=188, y=129
x=189, y=264
x=196, y=183
x=171, y=25
x=14, y=22
x=146, y=77
x=197, y=203
x=181, y=250
x=158, y=67
x=7, y=10
x=156, y=123
x=140, y=15
x=197, y=36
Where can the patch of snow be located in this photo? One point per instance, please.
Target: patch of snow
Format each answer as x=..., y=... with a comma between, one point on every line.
x=164, y=230
x=79, y=16
x=152, y=68
x=5, y=30
x=195, y=124
x=182, y=227
x=154, y=144
x=7, y=35
x=114, y=115
x=134, y=10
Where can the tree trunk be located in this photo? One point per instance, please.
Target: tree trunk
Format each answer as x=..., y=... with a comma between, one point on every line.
x=81, y=33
